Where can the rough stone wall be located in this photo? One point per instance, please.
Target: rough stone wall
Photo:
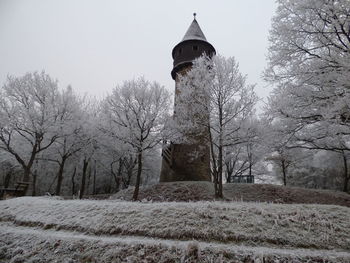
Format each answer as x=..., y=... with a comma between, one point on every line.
x=190, y=162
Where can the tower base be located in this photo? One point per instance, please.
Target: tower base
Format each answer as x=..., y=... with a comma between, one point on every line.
x=184, y=162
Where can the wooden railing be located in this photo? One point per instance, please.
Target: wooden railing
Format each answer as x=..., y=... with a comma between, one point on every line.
x=245, y=179
x=167, y=154
x=19, y=190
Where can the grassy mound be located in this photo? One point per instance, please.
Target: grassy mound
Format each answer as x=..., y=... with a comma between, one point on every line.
x=204, y=191
x=275, y=225
x=52, y=247
x=43, y=229
x=171, y=192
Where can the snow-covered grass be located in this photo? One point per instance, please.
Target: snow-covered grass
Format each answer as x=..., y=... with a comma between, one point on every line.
x=199, y=191
x=253, y=224
x=23, y=244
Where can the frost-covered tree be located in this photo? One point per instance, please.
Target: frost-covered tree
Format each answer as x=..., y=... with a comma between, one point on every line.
x=217, y=98
x=9, y=169
x=318, y=169
x=309, y=63
x=117, y=159
x=247, y=158
x=30, y=114
x=71, y=135
x=135, y=114
x=284, y=160
x=90, y=141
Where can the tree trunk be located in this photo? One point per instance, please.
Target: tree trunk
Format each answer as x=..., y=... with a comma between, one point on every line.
x=229, y=171
x=94, y=180
x=220, y=154
x=73, y=182
x=28, y=167
x=214, y=169
x=250, y=163
x=284, y=172
x=115, y=176
x=346, y=174
x=130, y=168
x=138, y=176
x=83, y=179
x=346, y=184
x=34, y=183
x=52, y=183
x=60, y=176
x=250, y=158
x=220, y=164
x=109, y=187
x=89, y=179
x=119, y=175
x=26, y=174
x=8, y=178
x=214, y=172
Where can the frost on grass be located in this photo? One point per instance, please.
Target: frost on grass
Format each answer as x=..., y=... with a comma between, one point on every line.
x=41, y=246
x=254, y=224
x=171, y=191
x=199, y=191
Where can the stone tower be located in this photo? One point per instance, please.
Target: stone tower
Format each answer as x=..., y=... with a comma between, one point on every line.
x=181, y=162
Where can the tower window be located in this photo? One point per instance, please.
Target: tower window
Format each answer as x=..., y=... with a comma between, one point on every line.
x=195, y=48
x=180, y=51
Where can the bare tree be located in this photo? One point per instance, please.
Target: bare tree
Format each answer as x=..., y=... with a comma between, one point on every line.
x=309, y=65
x=215, y=88
x=71, y=133
x=29, y=116
x=135, y=114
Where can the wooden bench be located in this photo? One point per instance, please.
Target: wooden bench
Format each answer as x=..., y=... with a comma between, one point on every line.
x=19, y=190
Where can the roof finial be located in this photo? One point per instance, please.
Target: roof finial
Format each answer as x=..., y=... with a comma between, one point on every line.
x=194, y=16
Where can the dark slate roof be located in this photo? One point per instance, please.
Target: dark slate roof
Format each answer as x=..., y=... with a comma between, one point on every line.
x=194, y=32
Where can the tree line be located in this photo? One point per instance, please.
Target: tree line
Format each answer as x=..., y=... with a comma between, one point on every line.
x=48, y=134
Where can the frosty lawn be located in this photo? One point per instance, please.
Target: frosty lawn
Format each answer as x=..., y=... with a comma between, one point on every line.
x=254, y=224
x=204, y=191
x=24, y=244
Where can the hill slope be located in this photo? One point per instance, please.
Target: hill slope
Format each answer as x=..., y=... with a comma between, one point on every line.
x=103, y=231
x=197, y=191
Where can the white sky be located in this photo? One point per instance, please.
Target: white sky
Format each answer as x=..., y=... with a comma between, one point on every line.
x=96, y=44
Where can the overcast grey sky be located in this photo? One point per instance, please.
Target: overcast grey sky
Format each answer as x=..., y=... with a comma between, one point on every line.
x=95, y=44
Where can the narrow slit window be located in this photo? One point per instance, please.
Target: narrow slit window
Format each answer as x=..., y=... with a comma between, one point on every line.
x=195, y=48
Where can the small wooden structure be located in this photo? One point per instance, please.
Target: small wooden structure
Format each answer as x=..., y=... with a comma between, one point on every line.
x=20, y=189
x=245, y=179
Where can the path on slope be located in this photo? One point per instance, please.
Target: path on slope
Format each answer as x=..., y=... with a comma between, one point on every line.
x=42, y=229
x=256, y=252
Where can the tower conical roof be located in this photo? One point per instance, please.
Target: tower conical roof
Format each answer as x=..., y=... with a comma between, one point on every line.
x=194, y=32
x=193, y=45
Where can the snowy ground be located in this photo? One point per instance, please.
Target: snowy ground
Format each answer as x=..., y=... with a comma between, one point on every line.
x=199, y=191
x=51, y=230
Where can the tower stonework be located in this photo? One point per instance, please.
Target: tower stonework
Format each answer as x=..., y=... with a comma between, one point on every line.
x=191, y=161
